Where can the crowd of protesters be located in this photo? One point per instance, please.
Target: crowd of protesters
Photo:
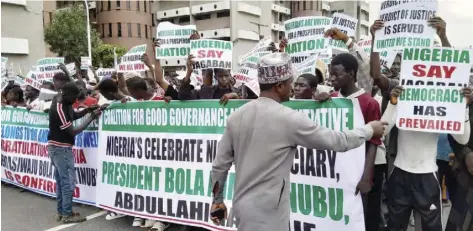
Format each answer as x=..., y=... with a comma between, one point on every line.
x=403, y=170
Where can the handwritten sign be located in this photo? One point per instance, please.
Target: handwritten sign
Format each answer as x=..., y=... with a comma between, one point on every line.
x=131, y=61
x=432, y=100
x=46, y=68
x=405, y=25
x=347, y=25
x=174, y=40
x=211, y=53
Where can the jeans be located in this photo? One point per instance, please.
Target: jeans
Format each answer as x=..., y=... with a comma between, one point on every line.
x=63, y=161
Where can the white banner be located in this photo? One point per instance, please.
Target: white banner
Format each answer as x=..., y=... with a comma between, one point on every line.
x=85, y=62
x=211, y=53
x=306, y=36
x=433, y=79
x=174, y=40
x=131, y=61
x=405, y=25
x=155, y=163
x=47, y=67
x=347, y=25
x=25, y=160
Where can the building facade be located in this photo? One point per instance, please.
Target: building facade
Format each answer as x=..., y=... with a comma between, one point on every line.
x=125, y=23
x=356, y=9
x=22, y=40
x=130, y=23
x=242, y=22
x=311, y=8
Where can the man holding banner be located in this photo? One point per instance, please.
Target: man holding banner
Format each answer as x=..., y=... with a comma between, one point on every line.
x=413, y=183
x=261, y=138
x=61, y=138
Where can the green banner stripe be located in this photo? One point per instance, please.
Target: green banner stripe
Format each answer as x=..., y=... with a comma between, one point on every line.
x=203, y=116
x=22, y=117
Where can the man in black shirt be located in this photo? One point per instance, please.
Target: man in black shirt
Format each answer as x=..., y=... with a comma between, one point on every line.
x=60, y=141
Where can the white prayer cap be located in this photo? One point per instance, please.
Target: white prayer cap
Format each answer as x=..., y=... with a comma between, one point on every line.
x=275, y=68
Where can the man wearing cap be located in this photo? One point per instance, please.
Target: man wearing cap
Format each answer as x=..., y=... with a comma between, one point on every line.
x=261, y=139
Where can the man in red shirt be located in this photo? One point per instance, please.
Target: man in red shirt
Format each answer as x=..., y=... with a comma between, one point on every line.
x=83, y=100
x=343, y=71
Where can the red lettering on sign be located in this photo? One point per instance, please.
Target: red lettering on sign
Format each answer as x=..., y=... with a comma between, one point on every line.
x=139, y=66
x=433, y=71
x=430, y=124
x=9, y=175
x=79, y=157
x=209, y=54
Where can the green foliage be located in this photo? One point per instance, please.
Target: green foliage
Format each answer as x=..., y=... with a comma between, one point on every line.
x=67, y=34
x=103, y=54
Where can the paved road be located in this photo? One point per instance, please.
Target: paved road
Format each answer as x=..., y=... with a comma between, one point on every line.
x=27, y=211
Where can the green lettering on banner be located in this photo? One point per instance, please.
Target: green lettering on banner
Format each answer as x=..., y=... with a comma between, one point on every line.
x=176, y=32
x=160, y=133
x=437, y=55
x=33, y=119
x=441, y=95
x=402, y=42
x=209, y=117
x=303, y=46
x=306, y=22
x=209, y=43
x=49, y=61
x=180, y=181
x=181, y=51
x=137, y=49
x=307, y=199
x=131, y=176
x=23, y=117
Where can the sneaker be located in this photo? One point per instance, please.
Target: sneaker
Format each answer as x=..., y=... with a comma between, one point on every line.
x=137, y=222
x=148, y=223
x=412, y=221
x=74, y=218
x=160, y=226
x=113, y=215
x=58, y=217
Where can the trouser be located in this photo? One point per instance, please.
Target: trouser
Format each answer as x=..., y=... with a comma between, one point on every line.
x=461, y=213
x=419, y=192
x=446, y=170
x=62, y=159
x=372, y=200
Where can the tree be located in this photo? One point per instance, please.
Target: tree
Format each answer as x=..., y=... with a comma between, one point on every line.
x=67, y=34
x=103, y=54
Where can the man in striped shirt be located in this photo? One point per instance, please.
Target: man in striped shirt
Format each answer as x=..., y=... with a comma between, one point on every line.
x=61, y=138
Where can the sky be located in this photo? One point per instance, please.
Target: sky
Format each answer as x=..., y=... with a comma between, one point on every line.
x=457, y=13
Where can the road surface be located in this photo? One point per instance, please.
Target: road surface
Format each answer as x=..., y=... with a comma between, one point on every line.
x=27, y=211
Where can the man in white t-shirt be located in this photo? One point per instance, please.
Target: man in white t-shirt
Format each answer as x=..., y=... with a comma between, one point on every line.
x=413, y=183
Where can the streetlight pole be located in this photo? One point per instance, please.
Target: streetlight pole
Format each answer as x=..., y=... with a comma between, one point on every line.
x=259, y=27
x=88, y=30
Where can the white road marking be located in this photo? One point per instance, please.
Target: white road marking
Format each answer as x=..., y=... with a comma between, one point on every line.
x=90, y=217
